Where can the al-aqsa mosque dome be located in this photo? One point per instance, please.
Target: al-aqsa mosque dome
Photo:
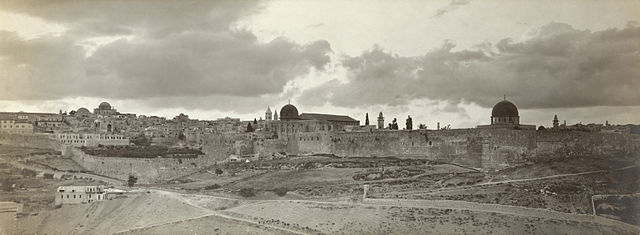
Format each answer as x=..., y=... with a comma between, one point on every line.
x=289, y=112
x=505, y=112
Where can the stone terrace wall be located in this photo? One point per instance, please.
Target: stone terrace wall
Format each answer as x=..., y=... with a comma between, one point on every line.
x=147, y=170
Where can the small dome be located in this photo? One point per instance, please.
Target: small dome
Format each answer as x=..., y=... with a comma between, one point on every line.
x=104, y=105
x=83, y=110
x=289, y=112
x=504, y=109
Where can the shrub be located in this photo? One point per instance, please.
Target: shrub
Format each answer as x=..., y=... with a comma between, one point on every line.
x=132, y=180
x=29, y=173
x=247, y=192
x=7, y=186
x=281, y=191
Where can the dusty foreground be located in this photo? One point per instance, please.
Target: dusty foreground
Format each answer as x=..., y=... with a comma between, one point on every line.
x=163, y=212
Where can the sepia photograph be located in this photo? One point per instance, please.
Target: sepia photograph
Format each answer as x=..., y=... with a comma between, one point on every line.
x=351, y=117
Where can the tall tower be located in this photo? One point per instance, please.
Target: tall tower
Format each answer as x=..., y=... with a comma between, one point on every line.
x=380, y=121
x=556, y=123
x=366, y=119
x=275, y=115
x=267, y=114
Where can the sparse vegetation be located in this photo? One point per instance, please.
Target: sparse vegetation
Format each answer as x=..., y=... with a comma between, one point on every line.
x=213, y=186
x=132, y=180
x=281, y=191
x=247, y=192
x=141, y=140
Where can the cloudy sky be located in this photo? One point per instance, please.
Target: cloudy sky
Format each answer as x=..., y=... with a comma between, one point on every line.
x=438, y=61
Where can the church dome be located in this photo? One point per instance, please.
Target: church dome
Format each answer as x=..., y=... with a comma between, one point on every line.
x=83, y=110
x=104, y=106
x=288, y=112
x=504, y=109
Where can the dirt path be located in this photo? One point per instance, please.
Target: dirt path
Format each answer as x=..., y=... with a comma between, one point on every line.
x=180, y=197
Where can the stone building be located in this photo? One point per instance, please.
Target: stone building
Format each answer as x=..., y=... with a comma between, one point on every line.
x=105, y=109
x=31, y=117
x=291, y=122
x=83, y=113
x=79, y=194
x=91, y=140
x=267, y=114
x=13, y=126
x=8, y=217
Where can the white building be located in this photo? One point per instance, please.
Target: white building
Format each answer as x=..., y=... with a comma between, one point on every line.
x=79, y=194
x=13, y=126
x=91, y=140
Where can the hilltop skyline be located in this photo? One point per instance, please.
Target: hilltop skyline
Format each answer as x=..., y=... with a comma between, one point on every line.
x=438, y=61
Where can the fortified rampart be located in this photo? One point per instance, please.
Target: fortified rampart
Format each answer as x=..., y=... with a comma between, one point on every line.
x=479, y=148
x=462, y=146
x=220, y=146
x=578, y=143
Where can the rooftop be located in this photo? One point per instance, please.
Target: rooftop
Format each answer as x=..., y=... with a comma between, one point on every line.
x=326, y=117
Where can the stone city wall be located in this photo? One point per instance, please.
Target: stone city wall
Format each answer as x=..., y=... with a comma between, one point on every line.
x=554, y=144
x=314, y=142
x=503, y=148
x=221, y=146
x=478, y=148
x=463, y=146
x=265, y=148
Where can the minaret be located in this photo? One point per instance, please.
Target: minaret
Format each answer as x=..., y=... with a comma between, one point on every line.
x=366, y=119
x=267, y=114
x=555, y=121
x=380, y=121
x=275, y=115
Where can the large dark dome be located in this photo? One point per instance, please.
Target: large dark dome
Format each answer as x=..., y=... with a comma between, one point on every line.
x=504, y=109
x=83, y=110
x=104, y=106
x=289, y=112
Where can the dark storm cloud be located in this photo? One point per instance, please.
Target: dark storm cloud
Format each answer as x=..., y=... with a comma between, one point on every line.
x=558, y=67
x=177, y=49
x=151, y=17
